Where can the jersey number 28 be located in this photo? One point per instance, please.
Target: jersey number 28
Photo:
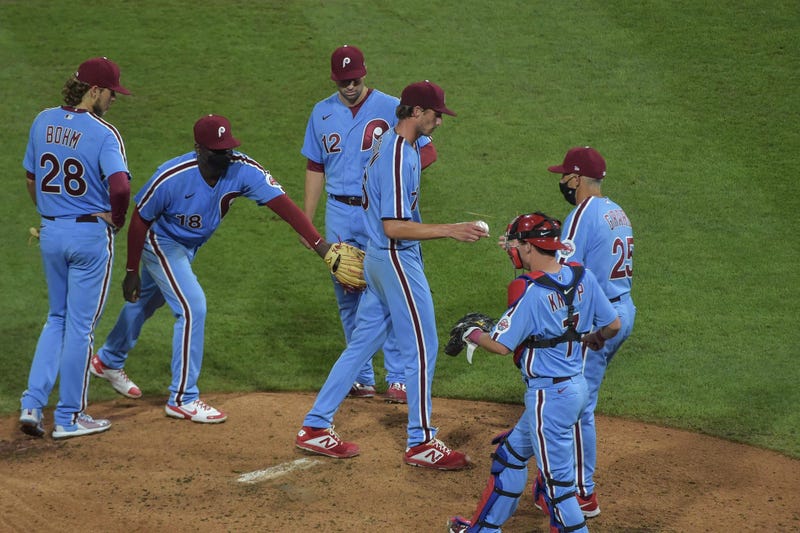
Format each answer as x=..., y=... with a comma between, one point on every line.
x=74, y=182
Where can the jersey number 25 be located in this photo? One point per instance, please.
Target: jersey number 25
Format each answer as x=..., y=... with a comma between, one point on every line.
x=623, y=250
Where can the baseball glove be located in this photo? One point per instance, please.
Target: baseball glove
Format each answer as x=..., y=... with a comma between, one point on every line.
x=346, y=263
x=466, y=323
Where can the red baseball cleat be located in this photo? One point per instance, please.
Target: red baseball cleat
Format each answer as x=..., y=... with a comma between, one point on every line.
x=589, y=505
x=359, y=390
x=435, y=454
x=325, y=441
x=396, y=393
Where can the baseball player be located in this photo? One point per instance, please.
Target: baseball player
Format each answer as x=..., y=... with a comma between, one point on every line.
x=598, y=234
x=397, y=298
x=340, y=137
x=176, y=212
x=77, y=176
x=550, y=308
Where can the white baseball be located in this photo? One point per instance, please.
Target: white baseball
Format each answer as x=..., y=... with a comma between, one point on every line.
x=483, y=225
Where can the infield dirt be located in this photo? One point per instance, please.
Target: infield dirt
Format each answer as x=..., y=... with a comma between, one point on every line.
x=151, y=473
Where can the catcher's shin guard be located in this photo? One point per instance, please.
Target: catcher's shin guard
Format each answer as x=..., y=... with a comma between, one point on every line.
x=505, y=486
x=565, y=513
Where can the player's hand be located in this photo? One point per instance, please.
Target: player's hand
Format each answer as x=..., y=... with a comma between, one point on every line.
x=468, y=231
x=131, y=286
x=106, y=217
x=502, y=241
x=594, y=340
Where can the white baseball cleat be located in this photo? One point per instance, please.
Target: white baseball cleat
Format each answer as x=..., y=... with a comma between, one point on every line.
x=118, y=378
x=30, y=422
x=84, y=425
x=196, y=411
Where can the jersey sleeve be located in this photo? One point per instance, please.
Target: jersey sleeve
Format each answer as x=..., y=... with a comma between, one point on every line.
x=29, y=163
x=398, y=183
x=258, y=183
x=112, y=155
x=514, y=326
x=312, y=145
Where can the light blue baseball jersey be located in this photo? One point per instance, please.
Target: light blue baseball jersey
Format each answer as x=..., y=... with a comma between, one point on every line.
x=343, y=143
x=72, y=152
x=391, y=189
x=542, y=311
x=188, y=210
x=600, y=236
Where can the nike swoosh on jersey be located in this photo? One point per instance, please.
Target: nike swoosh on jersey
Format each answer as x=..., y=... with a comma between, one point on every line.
x=188, y=196
x=326, y=117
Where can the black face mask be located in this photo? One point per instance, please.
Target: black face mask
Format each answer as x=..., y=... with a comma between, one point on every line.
x=219, y=161
x=569, y=194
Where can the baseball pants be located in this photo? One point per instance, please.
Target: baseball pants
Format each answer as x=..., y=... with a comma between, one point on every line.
x=167, y=277
x=77, y=259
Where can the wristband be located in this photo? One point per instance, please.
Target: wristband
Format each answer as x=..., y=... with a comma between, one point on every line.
x=474, y=335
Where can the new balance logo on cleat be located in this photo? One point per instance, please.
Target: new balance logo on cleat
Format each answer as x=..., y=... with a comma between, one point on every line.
x=325, y=441
x=435, y=454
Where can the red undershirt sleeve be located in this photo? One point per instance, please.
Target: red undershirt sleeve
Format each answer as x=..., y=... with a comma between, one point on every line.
x=136, y=234
x=288, y=211
x=119, y=190
x=317, y=167
x=427, y=155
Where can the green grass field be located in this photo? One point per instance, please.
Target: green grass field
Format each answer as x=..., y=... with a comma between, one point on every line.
x=694, y=106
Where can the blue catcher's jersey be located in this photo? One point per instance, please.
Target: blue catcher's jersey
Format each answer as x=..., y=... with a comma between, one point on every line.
x=343, y=143
x=542, y=311
x=72, y=152
x=186, y=209
x=600, y=236
x=391, y=188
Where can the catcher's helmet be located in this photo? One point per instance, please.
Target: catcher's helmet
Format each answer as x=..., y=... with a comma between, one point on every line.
x=537, y=229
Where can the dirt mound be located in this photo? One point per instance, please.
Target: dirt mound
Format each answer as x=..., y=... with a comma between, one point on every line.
x=153, y=473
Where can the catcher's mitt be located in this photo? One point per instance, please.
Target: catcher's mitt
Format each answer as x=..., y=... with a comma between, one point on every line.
x=456, y=342
x=347, y=265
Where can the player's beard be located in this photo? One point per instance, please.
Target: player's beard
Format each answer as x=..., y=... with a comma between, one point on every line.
x=351, y=100
x=97, y=109
x=219, y=162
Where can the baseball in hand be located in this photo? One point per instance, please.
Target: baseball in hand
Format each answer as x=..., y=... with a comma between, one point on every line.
x=483, y=225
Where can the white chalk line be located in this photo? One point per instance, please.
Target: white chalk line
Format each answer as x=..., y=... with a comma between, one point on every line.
x=277, y=471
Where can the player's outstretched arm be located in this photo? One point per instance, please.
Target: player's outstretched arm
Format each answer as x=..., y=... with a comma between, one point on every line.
x=286, y=209
x=315, y=184
x=416, y=231
x=485, y=341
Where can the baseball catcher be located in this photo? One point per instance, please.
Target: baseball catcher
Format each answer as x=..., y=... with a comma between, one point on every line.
x=459, y=335
x=346, y=263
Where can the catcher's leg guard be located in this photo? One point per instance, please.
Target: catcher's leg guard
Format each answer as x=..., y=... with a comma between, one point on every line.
x=565, y=513
x=505, y=486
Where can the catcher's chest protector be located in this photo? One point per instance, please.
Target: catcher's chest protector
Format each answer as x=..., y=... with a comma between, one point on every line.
x=568, y=293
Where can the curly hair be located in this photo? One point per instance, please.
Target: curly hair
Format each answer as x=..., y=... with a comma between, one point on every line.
x=404, y=111
x=73, y=91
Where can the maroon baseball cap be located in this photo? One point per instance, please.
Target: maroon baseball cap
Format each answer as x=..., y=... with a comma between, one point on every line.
x=214, y=132
x=426, y=95
x=102, y=72
x=583, y=160
x=347, y=63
